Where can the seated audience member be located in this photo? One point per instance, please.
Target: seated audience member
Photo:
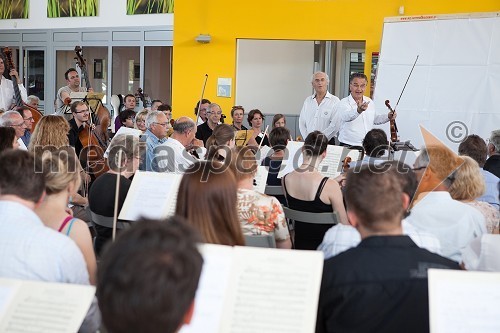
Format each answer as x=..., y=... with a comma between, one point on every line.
x=258, y=213
x=140, y=120
x=237, y=113
x=102, y=192
x=152, y=258
x=279, y=120
x=127, y=118
x=207, y=200
x=434, y=211
x=492, y=164
x=202, y=110
x=475, y=147
x=62, y=180
x=380, y=285
x=340, y=237
x=482, y=254
x=220, y=142
x=467, y=186
x=25, y=112
x=15, y=120
x=375, y=145
x=167, y=111
x=307, y=190
x=155, y=104
x=29, y=249
x=214, y=114
x=8, y=139
x=173, y=155
x=255, y=120
x=155, y=135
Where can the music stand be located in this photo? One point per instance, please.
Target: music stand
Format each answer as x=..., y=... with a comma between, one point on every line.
x=400, y=146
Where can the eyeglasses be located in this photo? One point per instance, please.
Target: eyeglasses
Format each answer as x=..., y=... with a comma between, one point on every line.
x=363, y=86
x=161, y=124
x=21, y=124
x=83, y=111
x=30, y=119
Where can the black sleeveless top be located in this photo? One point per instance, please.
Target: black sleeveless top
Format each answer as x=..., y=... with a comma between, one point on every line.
x=308, y=236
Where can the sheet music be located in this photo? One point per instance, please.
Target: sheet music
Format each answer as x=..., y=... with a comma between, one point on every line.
x=273, y=290
x=294, y=158
x=262, y=153
x=44, y=307
x=464, y=301
x=212, y=289
x=260, y=179
x=152, y=195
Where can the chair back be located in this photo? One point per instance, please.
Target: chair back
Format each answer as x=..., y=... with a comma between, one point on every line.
x=273, y=190
x=106, y=221
x=308, y=217
x=267, y=241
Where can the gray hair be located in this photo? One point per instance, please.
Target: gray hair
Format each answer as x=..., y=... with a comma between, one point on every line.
x=213, y=105
x=8, y=118
x=495, y=140
x=32, y=98
x=152, y=117
x=326, y=76
x=183, y=125
x=423, y=159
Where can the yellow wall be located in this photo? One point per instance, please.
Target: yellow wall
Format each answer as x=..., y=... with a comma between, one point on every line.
x=228, y=20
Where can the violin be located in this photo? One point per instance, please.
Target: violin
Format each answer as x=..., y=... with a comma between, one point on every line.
x=101, y=117
x=17, y=93
x=392, y=123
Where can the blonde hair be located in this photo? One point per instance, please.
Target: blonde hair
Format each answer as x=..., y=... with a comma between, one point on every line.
x=468, y=183
x=61, y=168
x=51, y=130
x=141, y=115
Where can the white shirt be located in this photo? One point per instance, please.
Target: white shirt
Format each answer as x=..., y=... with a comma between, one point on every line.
x=482, y=254
x=353, y=126
x=314, y=117
x=171, y=156
x=7, y=93
x=341, y=237
x=31, y=251
x=454, y=223
x=22, y=146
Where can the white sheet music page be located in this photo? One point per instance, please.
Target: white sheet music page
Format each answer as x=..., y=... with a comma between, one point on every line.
x=152, y=195
x=464, y=301
x=260, y=179
x=212, y=289
x=263, y=152
x=294, y=158
x=43, y=307
x=273, y=291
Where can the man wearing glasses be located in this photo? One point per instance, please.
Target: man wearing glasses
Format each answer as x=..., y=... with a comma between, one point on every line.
x=214, y=113
x=81, y=114
x=15, y=120
x=28, y=121
x=157, y=124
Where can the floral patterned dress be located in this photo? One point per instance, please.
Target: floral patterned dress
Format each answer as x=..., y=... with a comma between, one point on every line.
x=260, y=214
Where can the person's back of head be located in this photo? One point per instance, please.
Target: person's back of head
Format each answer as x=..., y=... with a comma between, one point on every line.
x=61, y=169
x=148, y=278
x=474, y=147
x=468, y=182
x=7, y=137
x=279, y=137
x=21, y=176
x=315, y=144
x=440, y=162
x=207, y=198
x=375, y=200
x=375, y=142
x=405, y=175
x=51, y=130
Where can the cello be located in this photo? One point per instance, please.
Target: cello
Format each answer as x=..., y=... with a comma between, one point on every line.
x=101, y=117
x=17, y=93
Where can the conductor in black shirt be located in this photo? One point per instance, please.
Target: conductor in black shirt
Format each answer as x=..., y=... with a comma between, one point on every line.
x=380, y=285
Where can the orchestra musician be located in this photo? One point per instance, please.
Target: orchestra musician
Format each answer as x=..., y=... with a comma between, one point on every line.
x=73, y=85
x=81, y=116
x=7, y=99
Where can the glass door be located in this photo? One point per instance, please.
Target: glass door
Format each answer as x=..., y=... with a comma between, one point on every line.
x=34, y=74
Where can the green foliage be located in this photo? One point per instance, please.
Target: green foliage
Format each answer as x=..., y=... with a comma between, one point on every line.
x=70, y=8
x=149, y=6
x=14, y=9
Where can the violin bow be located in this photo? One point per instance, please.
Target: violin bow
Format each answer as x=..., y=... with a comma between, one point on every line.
x=265, y=132
x=404, y=87
x=117, y=191
x=201, y=98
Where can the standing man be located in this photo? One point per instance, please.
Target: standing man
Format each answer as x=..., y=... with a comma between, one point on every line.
x=202, y=109
x=156, y=123
x=7, y=98
x=73, y=85
x=214, y=113
x=355, y=115
x=317, y=112
x=15, y=120
x=25, y=112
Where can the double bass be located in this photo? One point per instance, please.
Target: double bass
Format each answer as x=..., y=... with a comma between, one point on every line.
x=17, y=93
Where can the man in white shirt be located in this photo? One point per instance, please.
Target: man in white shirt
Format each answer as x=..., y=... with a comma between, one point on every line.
x=28, y=249
x=355, y=115
x=7, y=98
x=173, y=155
x=15, y=120
x=454, y=223
x=317, y=112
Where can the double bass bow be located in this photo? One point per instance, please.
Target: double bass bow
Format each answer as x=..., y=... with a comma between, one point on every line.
x=392, y=121
x=17, y=93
